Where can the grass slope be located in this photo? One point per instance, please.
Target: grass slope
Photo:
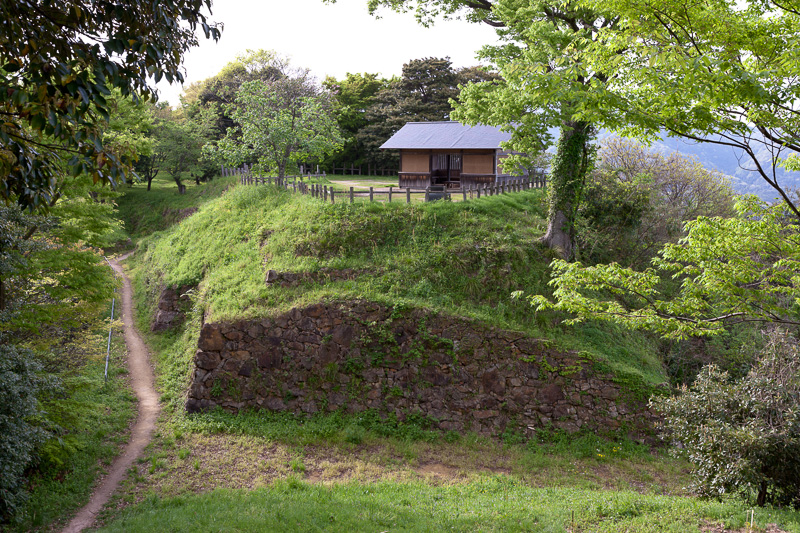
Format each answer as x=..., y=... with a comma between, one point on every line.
x=278, y=472
x=462, y=258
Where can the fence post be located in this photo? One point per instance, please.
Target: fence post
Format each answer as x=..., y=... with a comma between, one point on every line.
x=325, y=193
x=390, y=194
x=332, y=201
x=351, y=195
x=370, y=194
x=408, y=195
x=478, y=190
x=464, y=193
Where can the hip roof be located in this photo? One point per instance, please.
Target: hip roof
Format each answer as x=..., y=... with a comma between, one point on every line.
x=445, y=136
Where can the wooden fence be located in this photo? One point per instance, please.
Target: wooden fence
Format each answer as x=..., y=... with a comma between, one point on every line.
x=326, y=192
x=353, y=170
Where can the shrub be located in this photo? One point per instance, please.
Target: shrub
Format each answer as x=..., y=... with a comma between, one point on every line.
x=20, y=434
x=638, y=199
x=743, y=436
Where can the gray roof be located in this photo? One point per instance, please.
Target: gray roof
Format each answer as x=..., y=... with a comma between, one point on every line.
x=445, y=136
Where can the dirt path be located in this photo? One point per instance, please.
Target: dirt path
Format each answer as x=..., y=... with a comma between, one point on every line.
x=360, y=186
x=142, y=382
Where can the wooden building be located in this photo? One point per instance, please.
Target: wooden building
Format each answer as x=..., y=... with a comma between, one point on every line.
x=450, y=154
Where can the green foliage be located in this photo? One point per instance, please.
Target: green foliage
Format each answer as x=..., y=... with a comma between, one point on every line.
x=279, y=122
x=21, y=428
x=730, y=270
x=214, y=94
x=352, y=97
x=47, y=260
x=714, y=72
x=743, y=436
x=545, y=84
x=637, y=200
x=58, y=64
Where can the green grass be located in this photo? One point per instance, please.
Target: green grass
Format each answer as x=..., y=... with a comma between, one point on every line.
x=95, y=415
x=458, y=258
x=493, y=503
x=463, y=259
x=145, y=212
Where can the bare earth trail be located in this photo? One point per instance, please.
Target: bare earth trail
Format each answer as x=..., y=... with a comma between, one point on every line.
x=143, y=385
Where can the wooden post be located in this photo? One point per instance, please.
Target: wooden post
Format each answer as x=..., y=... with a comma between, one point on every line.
x=351, y=195
x=390, y=194
x=479, y=191
x=408, y=195
x=370, y=194
x=464, y=193
x=332, y=201
x=325, y=193
x=427, y=193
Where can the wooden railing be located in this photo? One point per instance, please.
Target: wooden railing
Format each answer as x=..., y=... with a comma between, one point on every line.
x=326, y=192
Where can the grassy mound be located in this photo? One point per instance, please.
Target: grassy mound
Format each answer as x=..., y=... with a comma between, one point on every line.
x=463, y=259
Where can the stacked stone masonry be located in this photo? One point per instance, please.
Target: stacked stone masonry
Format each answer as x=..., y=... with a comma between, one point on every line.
x=172, y=305
x=360, y=355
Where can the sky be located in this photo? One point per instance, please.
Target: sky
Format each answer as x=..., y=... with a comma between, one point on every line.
x=328, y=39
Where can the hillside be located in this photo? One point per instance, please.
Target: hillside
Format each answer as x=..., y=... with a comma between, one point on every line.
x=259, y=252
x=257, y=260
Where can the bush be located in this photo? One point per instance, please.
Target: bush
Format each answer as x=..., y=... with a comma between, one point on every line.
x=743, y=436
x=636, y=200
x=20, y=432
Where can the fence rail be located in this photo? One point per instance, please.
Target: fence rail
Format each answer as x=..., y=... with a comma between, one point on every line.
x=326, y=192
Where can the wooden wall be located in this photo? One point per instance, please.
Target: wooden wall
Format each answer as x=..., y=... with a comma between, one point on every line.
x=478, y=163
x=415, y=161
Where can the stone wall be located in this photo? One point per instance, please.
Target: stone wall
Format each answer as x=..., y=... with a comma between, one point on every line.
x=172, y=307
x=360, y=355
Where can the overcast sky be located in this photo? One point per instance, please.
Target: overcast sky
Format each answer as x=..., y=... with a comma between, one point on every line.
x=328, y=39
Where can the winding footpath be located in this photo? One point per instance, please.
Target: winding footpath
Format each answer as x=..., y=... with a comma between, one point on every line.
x=143, y=385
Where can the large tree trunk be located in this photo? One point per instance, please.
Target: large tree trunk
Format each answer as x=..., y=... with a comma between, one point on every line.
x=570, y=165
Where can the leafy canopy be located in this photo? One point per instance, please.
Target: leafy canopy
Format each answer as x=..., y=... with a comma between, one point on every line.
x=719, y=71
x=742, y=269
x=280, y=122
x=59, y=61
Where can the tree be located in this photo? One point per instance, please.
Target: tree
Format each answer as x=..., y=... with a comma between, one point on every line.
x=58, y=63
x=715, y=72
x=280, y=122
x=352, y=97
x=744, y=436
x=638, y=199
x=21, y=382
x=730, y=270
x=215, y=93
x=423, y=93
x=544, y=85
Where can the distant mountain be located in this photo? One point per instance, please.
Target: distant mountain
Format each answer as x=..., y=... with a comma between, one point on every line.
x=734, y=163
